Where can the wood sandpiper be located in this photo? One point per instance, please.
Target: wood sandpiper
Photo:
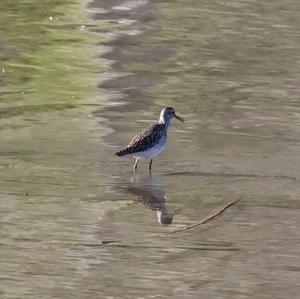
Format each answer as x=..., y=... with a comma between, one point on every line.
x=151, y=141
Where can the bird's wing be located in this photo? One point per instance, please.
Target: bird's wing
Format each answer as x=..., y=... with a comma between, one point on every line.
x=146, y=138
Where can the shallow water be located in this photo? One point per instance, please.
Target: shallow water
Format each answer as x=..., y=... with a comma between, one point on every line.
x=78, y=80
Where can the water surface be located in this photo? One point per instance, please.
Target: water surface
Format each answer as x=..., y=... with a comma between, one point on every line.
x=78, y=80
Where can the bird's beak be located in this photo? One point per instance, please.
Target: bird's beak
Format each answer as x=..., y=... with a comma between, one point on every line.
x=179, y=118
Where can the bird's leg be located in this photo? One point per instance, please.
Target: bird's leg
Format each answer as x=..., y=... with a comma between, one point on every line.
x=136, y=164
x=150, y=165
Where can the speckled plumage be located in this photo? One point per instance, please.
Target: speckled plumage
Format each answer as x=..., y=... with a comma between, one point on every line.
x=145, y=140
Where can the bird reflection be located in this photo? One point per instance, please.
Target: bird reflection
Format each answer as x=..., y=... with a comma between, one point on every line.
x=152, y=195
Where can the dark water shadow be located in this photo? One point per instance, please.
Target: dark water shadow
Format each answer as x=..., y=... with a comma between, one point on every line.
x=228, y=175
x=194, y=247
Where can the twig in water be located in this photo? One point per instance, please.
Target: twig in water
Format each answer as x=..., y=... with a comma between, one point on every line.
x=207, y=219
x=105, y=242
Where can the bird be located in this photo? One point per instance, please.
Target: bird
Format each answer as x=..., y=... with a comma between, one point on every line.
x=151, y=141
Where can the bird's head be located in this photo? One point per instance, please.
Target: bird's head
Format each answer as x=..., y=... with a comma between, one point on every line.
x=167, y=114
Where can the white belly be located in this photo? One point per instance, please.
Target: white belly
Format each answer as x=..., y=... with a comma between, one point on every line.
x=152, y=152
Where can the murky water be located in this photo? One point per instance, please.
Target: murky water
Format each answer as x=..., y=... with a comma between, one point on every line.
x=78, y=80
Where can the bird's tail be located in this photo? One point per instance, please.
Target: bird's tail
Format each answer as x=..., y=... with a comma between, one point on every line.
x=123, y=152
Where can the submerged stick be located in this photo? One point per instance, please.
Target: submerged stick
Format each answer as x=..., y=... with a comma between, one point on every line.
x=209, y=218
x=105, y=242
